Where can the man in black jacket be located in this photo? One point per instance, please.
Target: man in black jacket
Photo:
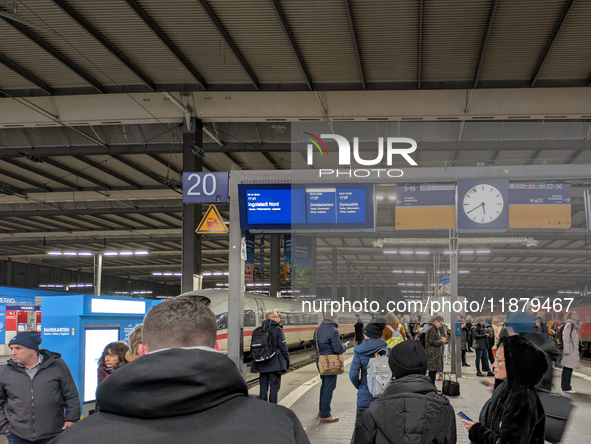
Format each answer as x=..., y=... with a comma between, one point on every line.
x=272, y=369
x=328, y=342
x=358, y=330
x=410, y=409
x=36, y=387
x=181, y=390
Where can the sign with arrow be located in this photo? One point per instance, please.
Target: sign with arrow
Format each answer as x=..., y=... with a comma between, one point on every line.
x=539, y=205
x=425, y=206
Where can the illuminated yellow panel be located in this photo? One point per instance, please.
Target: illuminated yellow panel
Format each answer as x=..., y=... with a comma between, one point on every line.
x=425, y=218
x=539, y=216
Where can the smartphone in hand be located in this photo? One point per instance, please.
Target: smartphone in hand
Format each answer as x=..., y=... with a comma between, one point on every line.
x=464, y=416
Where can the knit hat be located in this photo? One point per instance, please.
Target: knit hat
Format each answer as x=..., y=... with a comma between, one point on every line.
x=408, y=358
x=374, y=329
x=521, y=322
x=29, y=339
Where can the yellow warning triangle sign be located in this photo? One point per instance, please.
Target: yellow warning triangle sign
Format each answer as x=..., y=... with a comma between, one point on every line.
x=212, y=222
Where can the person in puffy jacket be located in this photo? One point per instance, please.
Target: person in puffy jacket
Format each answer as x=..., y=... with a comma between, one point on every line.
x=514, y=413
x=410, y=410
x=371, y=346
x=271, y=370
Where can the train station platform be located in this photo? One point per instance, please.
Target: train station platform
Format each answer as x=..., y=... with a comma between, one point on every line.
x=300, y=392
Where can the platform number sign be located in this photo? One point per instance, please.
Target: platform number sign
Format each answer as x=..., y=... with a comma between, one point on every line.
x=205, y=187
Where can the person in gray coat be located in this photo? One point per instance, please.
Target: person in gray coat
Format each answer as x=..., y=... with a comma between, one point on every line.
x=38, y=395
x=570, y=351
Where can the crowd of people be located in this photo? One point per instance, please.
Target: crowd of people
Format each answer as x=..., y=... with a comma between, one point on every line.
x=172, y=384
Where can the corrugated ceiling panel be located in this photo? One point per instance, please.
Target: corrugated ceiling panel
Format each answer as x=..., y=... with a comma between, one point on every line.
x=11, y=80
x=520, y=33
x=570, y=57
x=187, y=25
x=124, y=29
x=322, y=33
x=387, y=32
x=257, y=32
x=37, y=61
x=76, y=44
x=453, y=31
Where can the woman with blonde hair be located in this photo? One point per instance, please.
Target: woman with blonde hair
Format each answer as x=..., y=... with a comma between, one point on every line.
x=393, y=326
x=135, y=339
x=497, y=326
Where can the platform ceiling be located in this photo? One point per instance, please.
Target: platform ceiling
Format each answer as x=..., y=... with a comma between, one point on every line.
x=92, y=187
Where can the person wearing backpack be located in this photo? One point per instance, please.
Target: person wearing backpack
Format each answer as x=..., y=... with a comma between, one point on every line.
x=553, y=328
x=370, y=348
x=394, y=332
x=270, y=356
x=410, y=409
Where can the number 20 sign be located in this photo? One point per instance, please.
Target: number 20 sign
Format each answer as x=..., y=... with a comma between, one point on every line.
x=205, y=187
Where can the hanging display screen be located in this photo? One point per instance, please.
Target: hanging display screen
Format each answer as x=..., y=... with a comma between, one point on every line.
x=307, y=207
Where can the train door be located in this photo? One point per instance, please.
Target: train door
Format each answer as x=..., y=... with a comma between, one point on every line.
x=260, y=310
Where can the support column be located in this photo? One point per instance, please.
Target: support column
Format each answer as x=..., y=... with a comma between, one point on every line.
x=236, y=284
x=313, y=278
x=192, y=213
x=358, y=294
x=456, y=352
x=274, y=265
x=98, y=273
x=333, y=287
x=349, y=281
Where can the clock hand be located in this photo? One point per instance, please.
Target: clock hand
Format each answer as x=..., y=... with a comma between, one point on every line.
x=475, y=208
x=483, y=208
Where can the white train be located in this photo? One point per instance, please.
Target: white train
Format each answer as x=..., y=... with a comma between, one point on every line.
x=298, y=326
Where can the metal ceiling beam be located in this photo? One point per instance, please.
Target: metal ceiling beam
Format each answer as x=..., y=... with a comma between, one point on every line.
x=44, y=174
x=218, y=25
x=77, y=17
x=25, y=180
x=237, y=161
x=573, y=156
x=26, y=74
x=420, y=52
x=10, y=190
x=55, y=53
x=167, y=42
x=552, y=40
x=489, y=26
x=355, y=41
x=162, y=221
x=123, y=224
x=292, y=42
x=170, y=183
x=47, y=223
x=107, y=170
x=270, y=158
x=76, y=173
x=92, y=211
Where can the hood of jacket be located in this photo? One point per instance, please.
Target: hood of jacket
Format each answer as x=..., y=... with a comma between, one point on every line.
x=48, y=358
x=328, y=321
x=371, y=346
x=171, y=382
x=270, y=323
x=525, y=362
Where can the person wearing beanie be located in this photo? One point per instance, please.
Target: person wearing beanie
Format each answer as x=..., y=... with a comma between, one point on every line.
x=514, y=413
x=370, y=347
x=41, y=376
x=410, y=409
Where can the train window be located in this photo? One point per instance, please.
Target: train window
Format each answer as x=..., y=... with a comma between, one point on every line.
x=222, y=321
x=249, y=318
x=296, y=319
x=283, y=317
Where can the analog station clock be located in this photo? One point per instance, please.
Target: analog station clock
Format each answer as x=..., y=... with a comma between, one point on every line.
x=483, y=205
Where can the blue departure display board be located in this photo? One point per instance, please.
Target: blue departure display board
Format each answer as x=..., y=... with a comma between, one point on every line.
x=307, y=207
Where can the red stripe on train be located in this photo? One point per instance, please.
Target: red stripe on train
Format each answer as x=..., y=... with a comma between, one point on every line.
x=285, y=330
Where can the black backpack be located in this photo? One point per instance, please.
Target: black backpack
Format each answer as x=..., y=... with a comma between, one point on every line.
x=558, y=338
x=262, y=344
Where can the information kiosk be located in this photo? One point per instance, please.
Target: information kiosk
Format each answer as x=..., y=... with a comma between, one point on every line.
x=79, y=328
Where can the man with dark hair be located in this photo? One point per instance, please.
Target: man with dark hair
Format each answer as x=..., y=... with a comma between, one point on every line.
x=38, y=395
x=358, y=330
x=328, y=342
x=181, y=389
x=410, y=409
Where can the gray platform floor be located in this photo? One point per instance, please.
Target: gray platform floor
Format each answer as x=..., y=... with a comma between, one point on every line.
x=472, y=398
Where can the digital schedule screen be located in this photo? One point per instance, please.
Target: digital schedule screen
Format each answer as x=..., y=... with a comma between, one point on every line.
x=307, y=207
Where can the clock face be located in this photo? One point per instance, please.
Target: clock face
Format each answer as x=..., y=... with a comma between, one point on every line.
x=483, y=203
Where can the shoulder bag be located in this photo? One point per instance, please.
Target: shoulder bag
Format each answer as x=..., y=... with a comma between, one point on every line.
x=449, y=387
x=329, y=365
x=557, y=409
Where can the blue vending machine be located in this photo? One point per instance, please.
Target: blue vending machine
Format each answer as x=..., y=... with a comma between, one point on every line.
x=79, y=327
